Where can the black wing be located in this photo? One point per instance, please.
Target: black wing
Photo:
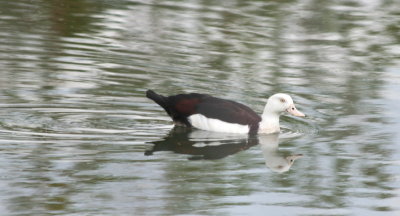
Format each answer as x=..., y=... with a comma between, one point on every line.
x=228, y=111
x=180, y=106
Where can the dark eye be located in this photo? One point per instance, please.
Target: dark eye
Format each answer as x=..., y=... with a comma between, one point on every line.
x=292, y=108
x=282, y=100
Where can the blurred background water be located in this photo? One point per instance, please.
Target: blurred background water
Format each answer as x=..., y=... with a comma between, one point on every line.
x=78, y=137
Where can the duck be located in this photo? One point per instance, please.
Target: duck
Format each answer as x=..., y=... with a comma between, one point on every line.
x=206, y=112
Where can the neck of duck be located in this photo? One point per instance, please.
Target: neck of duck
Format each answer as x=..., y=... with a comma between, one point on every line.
x=270, y=122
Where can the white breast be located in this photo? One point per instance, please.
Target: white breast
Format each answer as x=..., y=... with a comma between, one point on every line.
x=201, y=122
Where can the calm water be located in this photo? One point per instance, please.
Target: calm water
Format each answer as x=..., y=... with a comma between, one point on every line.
x=78, y=137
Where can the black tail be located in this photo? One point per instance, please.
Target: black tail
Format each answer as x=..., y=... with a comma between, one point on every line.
x=159, y=99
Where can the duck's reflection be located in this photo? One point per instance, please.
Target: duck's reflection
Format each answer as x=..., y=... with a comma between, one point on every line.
x=275, y=160
x=210, y=145
x=202, y=144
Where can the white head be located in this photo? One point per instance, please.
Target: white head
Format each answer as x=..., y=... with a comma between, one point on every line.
x=279, y=103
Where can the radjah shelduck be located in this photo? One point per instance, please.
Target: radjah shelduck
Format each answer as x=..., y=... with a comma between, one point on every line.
x=210, y=113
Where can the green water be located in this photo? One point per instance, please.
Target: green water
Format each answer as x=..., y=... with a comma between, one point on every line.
x=78, y=137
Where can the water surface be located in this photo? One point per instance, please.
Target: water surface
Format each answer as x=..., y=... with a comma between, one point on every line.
x=78, y=137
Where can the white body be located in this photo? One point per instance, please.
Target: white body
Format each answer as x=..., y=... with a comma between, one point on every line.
x=270, y=125
x=201, y=122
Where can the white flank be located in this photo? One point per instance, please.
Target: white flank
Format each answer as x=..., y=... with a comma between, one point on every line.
x=201, y=122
